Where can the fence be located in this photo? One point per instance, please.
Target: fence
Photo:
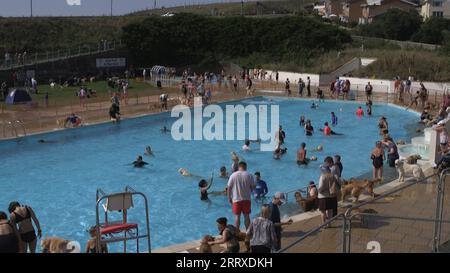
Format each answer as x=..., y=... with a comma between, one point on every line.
x=50, y=56
x=420, y=223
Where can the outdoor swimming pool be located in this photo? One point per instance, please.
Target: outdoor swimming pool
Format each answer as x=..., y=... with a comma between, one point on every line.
x=59, y=179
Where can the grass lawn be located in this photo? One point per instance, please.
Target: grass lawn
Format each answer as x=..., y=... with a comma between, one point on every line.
x=66, y=96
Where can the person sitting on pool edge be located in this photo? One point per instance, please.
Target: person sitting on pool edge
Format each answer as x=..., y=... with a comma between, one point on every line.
x=148, y=151
x=229, y=236
x=301, y=155
x=73, y=120
x=327, y=130
x=139, y=163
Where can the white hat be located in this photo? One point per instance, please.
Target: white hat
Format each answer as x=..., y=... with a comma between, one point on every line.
x=281, y=196
x=442, y=122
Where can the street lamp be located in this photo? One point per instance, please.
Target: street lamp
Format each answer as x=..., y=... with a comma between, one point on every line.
x=111, y=8
x=31, y=8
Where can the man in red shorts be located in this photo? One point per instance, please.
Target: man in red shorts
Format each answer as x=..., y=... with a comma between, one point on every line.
x=240, y=187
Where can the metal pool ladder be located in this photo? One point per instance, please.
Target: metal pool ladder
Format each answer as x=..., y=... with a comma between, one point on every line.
x=119, y=231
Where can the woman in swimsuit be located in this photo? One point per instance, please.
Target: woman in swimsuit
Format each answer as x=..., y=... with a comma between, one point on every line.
x=9, y=237
x=309, y=129
x=377, y=160
x=22, y=216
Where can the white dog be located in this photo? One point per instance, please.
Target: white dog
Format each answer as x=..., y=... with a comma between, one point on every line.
x=405, y=169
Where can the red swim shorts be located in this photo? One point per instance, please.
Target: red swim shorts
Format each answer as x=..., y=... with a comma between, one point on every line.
x=242, y=207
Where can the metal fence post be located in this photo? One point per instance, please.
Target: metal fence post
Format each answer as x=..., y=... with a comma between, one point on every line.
x=439, y=210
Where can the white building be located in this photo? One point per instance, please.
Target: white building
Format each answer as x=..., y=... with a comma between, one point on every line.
x=435, y=8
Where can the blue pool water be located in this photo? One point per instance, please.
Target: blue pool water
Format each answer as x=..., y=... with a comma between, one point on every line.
x=59, y=179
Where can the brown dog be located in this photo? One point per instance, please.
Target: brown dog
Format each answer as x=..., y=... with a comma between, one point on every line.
x=355, y=187
x=306, y=204
x=204, y=246
x=55, y=245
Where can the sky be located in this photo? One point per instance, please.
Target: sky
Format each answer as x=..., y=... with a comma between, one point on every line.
x=18, y=8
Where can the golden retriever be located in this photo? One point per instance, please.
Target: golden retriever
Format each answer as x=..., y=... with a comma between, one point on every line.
x=204, y=246
x=355, y=187
x=55, y=245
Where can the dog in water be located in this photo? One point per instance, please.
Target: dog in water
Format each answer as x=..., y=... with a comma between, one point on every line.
x=355, y=187
x=56, y=245
x=205, y=247
x=405, y=169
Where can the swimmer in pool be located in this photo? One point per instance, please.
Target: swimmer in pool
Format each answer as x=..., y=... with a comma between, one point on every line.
x=334, y=119
x=204, y=187
x=185, y=172
x=246, y=146
x=165, y=130
x=301, y=155
x=139, y=163
x=149, y=151
x=46, y=141
x=314, y=105
x=302, y=121
x=223, y=172
x=279, y=152
x=327, y=130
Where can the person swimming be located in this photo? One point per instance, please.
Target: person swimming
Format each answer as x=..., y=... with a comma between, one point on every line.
x=149, y=151
x=139, y=163
x=204, y=187
x=185, y=172
x=314, y=105
x=46, y=141
x=302, y=121
x=327, y=130
x=334, y=119
x=164, y=130
x=223, y=172
x=360, y=112
x=301, y=155
x=279, y=152
x=309, y=129
x=246, y=146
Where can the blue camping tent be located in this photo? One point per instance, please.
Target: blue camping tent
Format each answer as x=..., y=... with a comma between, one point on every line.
x=18, y=96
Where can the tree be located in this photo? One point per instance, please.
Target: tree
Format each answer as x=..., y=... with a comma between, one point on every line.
x=395, y=24
x=431, y=31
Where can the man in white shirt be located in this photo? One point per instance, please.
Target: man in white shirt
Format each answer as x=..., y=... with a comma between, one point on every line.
x=240, y=187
